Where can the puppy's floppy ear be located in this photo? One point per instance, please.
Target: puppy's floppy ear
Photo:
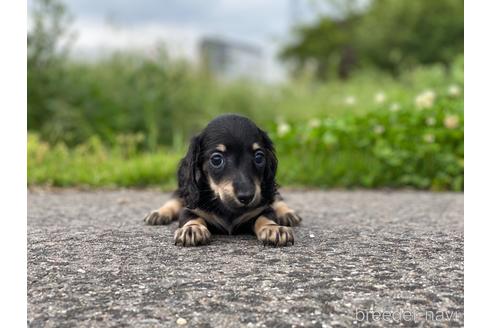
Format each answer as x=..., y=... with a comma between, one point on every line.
x=189, y=173
x=269, y=185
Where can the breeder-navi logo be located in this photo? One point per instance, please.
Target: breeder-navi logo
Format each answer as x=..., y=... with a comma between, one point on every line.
x=405, y=315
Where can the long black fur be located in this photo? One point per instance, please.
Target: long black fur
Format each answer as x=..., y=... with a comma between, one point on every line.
x=193, y=185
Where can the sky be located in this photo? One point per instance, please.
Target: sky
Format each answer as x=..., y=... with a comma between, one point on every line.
x=105, y=26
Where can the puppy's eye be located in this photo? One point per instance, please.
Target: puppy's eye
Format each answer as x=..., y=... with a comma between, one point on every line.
x=217, y=160
x=259, y=158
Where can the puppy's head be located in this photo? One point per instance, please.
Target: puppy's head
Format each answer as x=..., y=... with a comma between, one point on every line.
x=234, y=160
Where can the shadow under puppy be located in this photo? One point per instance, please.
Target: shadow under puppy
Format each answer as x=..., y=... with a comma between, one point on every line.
x=226, y=185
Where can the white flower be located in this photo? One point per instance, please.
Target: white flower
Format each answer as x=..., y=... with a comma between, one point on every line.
x=378, y=129
x=425, y=99
x=379, y=97
x=314, y=123
x=430, y=121
x=283, y=128
x=429, y=138
x=350, y=100
x=394, y=107
x=451, y=121
x=454, y=90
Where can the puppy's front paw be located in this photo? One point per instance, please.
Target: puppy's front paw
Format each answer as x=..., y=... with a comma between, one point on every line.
x=158, y=217
x=276, y=235
x=289, y=219
x=166, y=214
x=192, y=235
x=285, y=215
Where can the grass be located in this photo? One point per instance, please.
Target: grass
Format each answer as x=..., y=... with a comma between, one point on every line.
x=169, y=101
x=94, y=165
x=391, y=147
x=124, y=122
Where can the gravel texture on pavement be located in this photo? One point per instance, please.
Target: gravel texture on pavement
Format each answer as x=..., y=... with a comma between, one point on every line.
x=361, y=258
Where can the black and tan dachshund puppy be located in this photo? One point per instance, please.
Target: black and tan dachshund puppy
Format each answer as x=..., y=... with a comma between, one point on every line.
x=227, y=185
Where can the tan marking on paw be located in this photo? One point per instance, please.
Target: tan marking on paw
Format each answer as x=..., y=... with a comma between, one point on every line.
x=271, y=233
x=166, y=214
x=193, y=233
x=285, y=215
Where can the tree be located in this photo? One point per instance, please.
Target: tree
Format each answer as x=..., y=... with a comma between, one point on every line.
x=397, y=34
x=328, y=45
x=46, y=52
x=388, y=34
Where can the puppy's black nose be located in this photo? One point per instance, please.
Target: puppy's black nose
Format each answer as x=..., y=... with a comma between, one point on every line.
x=245, y=197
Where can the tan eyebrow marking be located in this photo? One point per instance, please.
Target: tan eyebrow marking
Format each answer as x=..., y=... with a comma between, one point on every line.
x=256, y=146
x=221, y=147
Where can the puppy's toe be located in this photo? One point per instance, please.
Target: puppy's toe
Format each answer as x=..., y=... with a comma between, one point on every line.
x=192, y=235
x=276, y=235
x=158, y=218
x=289, y=219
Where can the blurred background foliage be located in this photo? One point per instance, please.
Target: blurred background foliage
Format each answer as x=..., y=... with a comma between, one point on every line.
x=388, y=35
x=374, y=100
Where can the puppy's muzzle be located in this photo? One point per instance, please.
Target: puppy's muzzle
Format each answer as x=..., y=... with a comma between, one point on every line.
x=247, y=192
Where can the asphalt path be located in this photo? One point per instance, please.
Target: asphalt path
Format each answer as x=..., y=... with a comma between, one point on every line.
x=361, y=258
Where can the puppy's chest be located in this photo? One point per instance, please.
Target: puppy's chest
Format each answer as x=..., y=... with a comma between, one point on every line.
x=228, y=224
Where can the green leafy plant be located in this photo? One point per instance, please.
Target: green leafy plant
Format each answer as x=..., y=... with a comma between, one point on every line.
x=418, y=144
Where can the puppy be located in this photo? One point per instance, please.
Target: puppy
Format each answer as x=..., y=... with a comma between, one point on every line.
x=226, y=185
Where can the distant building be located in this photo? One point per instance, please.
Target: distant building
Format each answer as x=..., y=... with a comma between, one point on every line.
x=231, y=60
